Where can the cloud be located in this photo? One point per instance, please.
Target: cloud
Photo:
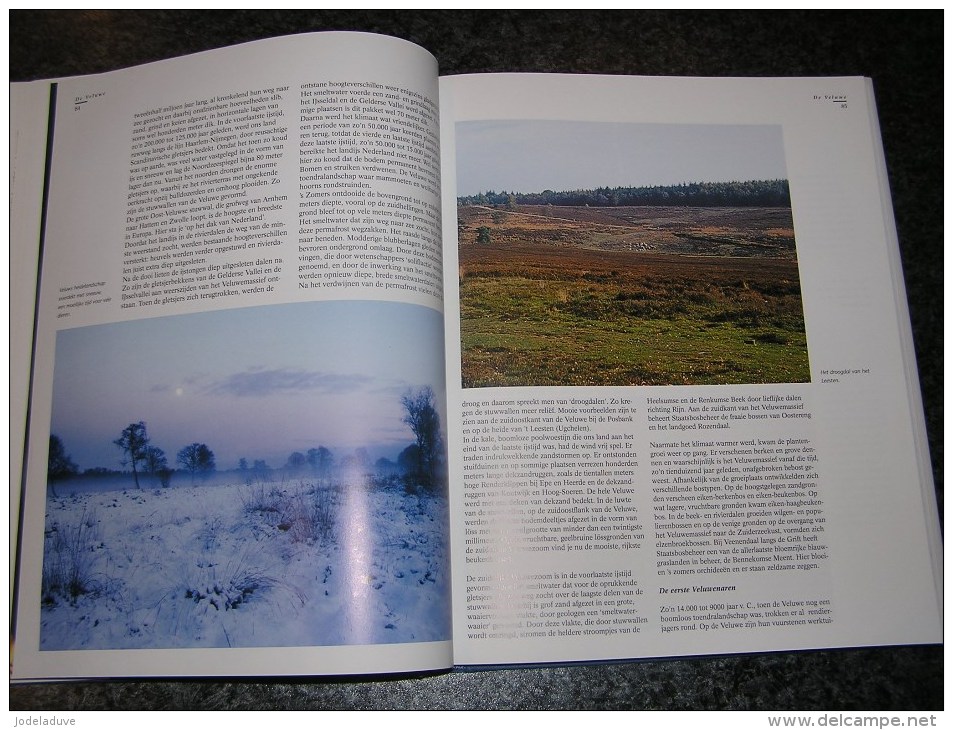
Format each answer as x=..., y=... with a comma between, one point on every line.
x=262, y=383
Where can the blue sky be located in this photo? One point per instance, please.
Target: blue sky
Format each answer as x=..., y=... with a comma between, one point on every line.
x=530, y=156
x=256, y=382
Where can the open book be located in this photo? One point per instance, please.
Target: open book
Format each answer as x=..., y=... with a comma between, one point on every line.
x=341, y=367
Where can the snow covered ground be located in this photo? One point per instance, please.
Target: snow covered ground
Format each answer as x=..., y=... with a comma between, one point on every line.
x=261, y=564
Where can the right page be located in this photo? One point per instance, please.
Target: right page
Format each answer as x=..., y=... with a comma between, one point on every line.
x=681, y=387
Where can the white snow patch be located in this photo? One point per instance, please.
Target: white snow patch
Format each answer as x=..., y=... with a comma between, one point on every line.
x=267, y=564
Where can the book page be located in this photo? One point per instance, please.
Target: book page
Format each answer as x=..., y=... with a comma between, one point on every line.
x=680, y=371
x=29, y=102
x=238, y=424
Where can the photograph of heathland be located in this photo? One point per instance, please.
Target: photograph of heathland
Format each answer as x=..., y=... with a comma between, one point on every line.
x=626, y=254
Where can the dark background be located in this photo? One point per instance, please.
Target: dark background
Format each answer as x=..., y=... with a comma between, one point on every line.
x=901, y=51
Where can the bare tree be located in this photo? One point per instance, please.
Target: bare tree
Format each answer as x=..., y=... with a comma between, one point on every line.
x=424, y=421
x=260, y=470
x=296, y=461
x=59, y=464
x=134, y=441
x=196, y=458
x=320, y=460
x=156, y=464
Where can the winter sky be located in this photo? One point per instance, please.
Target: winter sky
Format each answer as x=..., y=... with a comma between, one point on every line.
x=530, y=156
x=256, y=383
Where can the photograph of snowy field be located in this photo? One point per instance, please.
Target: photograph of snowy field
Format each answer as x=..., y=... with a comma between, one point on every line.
x=271, y=476
x=246, y=565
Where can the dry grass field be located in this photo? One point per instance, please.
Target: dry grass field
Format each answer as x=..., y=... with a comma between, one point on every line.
x=629, y=296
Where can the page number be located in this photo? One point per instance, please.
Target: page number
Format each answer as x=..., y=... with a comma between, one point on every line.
x=838, y=101
x=79, y=102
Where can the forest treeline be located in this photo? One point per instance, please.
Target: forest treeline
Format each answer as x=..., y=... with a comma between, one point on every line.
x=748, y=193
x=421, y=465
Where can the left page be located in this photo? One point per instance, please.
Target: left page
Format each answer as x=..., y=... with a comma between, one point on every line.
x=235, y=437
x=29, y=103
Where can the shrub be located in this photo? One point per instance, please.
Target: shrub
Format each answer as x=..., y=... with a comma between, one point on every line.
x=69, y=557
x=388, y=482
x=257, y=496
x=228, y=587
x=772, y=338
x=308, y=515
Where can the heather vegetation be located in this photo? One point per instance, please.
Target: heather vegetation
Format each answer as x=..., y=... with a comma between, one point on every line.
x=565, y=295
